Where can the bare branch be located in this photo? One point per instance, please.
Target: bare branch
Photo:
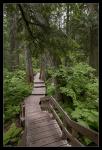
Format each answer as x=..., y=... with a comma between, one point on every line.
x=26, y=22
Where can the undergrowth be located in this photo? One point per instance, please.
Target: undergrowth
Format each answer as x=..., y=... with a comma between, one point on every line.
x=78, y=87
x=15, y=90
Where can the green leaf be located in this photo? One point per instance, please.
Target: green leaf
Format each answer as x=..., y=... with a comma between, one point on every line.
x=83, y=123
x=13, y=132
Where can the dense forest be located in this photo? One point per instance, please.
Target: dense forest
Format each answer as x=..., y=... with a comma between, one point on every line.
x=59, y=40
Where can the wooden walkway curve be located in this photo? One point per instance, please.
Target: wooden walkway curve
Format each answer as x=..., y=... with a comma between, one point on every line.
x=41, y=130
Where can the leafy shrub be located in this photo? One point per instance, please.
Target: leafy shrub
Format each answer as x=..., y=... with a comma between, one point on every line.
x=35, y=63
x=15, y=86
x=11, y=136
x=11, y=112
x=50, y=88
x=80, y=83
x=15, y=90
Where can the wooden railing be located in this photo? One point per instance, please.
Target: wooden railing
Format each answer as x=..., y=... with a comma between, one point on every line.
x=22, y=114
x=70, y=129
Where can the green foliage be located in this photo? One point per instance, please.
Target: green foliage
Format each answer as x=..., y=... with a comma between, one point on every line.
x=86, y=117
x=83, y=123
x=86, y=141
x=73, y=44
x=68, y=92
x=11, y=112
x=11, y=136
x=67, y=107
x=50, y=88
x=75, y=82
x=15, y=86
x=15, y=90
x=79, y=80
x=80, y=84
x=35, y=63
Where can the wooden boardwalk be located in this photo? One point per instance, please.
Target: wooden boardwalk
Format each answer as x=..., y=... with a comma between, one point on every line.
x=41, y=130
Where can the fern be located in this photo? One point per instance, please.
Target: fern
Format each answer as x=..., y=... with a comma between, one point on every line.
x=80, y=84
x=11, y=134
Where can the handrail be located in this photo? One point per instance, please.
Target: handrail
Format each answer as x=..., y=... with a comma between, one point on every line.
x=48, y=103
x=93, y=135
x=65, y=131
x=22, y=114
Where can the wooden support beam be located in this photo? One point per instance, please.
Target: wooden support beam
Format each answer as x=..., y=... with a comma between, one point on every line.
x=67, y=123
x=64, y=130
x=22, y=115
x=91, y=134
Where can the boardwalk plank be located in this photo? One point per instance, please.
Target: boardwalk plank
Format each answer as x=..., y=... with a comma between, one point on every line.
x=45, y=128
x=45, y=141
x=37, y=115
x=41, y=129
x=39, y=125
x=38, y=91
x=54, y=133
x=46, y=131
x=56, y=143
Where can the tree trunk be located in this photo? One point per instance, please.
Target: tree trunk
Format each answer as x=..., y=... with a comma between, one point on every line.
x=56, y=62
x=14, y=56
x=29, y=69
x=42, y=68
x=67, y=29
x=93, y=56
x=67, y=20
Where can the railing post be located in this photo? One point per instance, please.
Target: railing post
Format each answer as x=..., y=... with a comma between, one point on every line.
x=74, y=132
x=63, y=134
x=50, y=103
x=44, y=103
x=70, y=128
x=22, y=115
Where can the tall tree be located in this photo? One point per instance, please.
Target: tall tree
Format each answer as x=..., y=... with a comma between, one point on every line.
x=14, y=56
x=28, y=62
x=93, y=55
x=10, y=13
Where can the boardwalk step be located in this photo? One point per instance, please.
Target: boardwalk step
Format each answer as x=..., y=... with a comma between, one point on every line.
x=43, y=123
x=41, y=129
x=56, y=144
x=45, y=141
x=46, y=128
x=38, y=82
x=43, y=86
x=39, y=91
x=42, y=135
x=38, y=94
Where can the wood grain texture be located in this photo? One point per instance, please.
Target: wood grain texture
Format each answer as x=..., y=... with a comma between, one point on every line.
x=41, y=129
